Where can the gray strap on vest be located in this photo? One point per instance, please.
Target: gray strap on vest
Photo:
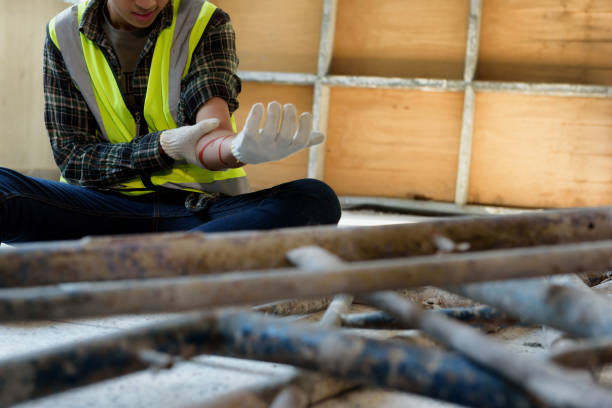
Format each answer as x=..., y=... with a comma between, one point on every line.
x=185, y=20
x=69, y=39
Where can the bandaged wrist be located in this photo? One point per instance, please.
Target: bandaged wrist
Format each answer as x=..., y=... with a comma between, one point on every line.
x=216, y=153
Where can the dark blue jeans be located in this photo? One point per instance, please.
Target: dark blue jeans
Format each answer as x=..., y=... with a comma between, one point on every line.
x=33, y=209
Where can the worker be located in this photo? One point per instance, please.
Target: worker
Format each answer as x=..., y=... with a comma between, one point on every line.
x=138, y=102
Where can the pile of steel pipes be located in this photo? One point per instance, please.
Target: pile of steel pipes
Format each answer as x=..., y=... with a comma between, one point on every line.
x=521, y=269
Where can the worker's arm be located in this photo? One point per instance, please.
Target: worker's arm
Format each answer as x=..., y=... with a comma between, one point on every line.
x=210, y=92
x=206, y=144
x=215, y=148
x=211, y=143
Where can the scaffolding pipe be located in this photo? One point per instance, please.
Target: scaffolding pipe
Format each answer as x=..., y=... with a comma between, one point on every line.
x=590, y=355
x=193, y=292
x=302, y=387
x=550, y=384
x=568, y=306
x=180, y=254
x=294, y=306
x=479, y=316
x=404, y=367
x=425, y=206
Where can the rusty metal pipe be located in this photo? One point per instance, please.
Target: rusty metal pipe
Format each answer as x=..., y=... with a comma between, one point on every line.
x=303, y=391
x=180, y=254
x=394, y=365
x=188, y=293
x=339, y=305
x=565, y=304
x=479, y=316
x=294, y=306
x=552, y=385
x=35, y=375
x=592, y=354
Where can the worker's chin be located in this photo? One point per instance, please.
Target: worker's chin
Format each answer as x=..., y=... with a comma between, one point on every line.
x=137, y=25
x=142, y=21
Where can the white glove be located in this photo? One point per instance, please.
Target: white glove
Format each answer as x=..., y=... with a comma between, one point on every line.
x=180, y=143
x=254, y=145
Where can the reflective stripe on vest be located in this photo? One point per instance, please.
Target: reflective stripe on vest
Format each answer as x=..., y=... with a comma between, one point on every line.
x=171, y=60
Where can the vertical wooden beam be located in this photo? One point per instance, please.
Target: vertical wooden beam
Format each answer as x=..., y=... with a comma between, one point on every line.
x=473, y=40
x=320, y=104
x=467, y=128
x=328, y=30
x=465, y=148
x=316, y=158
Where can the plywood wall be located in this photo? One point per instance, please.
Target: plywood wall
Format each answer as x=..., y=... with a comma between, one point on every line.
x=24, y=144
x=393, y=143
x=398, y=38
x=541, y=151
x=276, y=35
x=566, y=41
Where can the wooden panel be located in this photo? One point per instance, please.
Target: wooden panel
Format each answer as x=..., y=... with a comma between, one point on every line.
x=540, y=151
x=293, y=167
x=23, y=140
x=393, y=143
x=276, y=35
x=398, y=38
x=547, y=41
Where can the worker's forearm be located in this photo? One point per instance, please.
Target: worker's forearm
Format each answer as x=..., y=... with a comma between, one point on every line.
x=214, y=150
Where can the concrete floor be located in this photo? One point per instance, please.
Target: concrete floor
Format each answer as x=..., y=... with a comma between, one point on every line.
x=191, y=383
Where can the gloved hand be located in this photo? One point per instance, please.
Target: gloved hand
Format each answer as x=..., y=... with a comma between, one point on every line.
x=180, y=143
x=254, y=145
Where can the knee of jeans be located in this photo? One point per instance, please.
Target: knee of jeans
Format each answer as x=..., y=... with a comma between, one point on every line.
x=6, y=176
x=5, y=191
x=318, y=200
x=10, y=180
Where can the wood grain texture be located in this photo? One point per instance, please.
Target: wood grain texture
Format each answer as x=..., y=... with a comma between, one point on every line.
x=393, y=143
x=24, y=144
x=398, y=38
x=546, y=41
x=276, y=35
x=541, y=151
x=293, y=167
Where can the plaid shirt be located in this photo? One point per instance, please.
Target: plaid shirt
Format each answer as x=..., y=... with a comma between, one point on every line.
x=82, y=155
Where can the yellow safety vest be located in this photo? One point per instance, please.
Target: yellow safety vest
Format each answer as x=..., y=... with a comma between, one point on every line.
x=171, y=60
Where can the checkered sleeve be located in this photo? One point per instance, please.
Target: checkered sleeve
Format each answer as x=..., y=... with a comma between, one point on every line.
x=83, y=156
x=213, y=69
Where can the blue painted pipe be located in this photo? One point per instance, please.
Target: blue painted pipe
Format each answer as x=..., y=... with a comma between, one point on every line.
x=564, y=303
x=437, y=374
x=433, y=373
x=475, y=316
